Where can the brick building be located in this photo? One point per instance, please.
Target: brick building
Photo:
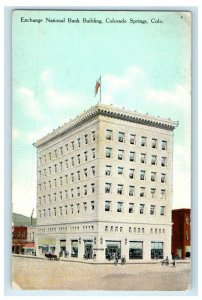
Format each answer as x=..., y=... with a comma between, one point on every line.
x=23, y=239
x=104, y=186
x=181, y=233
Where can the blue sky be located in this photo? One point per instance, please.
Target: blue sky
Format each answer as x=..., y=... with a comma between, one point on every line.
x=144, y=67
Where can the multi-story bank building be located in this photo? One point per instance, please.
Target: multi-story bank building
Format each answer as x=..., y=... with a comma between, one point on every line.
x=104, y=186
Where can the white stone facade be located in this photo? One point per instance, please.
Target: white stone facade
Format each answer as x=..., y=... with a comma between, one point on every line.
x=104, y=186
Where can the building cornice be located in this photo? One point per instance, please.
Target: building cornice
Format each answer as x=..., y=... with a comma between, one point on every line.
x=111, y=112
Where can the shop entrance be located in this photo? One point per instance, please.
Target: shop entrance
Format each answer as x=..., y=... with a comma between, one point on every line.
x=88, y=249
x=112, y=250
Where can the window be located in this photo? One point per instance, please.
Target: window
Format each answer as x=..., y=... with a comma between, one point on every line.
x=130, y=229
x=86, y=138
x=72, y=161
x=40, y=174
x=61, y=151
x=142, y=192
x=92, y=205
x=66, y=209
x=131, y=173
x=55, y=197
x=78, y=191
x=143, y=158
x=153, y=176
x=66, y=161
x=85, y=205
x=142, y=175
x=154, y=143
x=142, y=209
x=67, y=148
x=132, y=139
x=108, y=134
x=163, y=161
x=120, y=154
x=162, y=210
x=85, y=173
x=85, y=189
x=72, y=145
x=93, y=170
x=61, y=210
x=187, y=220
x=78, y=175
x=93, y=153
x=143, y=141
x=153, y=192
x=152, y=209
x=49, y=198
x=49, y=212
x=55, y=212
x=131, y=190
x=49, y=170
x=78, y=208
x=119, y=206
x=120, y=189
x=163, y=194
x=79, y=158
x=153, y=160
x=163, y=177
x=93, y=188
x=44, y=158
x=157, y=250
x=107, y=205
x=187, y=235
x=108, y=152
x=93, y=135
x=72, y=208
x=72, y=176
x=56, y=155
x=121, y=229
x=49, y=155
x=120, y=170
x=108, y=187
x=107, y=170
x=60, y=180
x=106, y=228
x=72, y=193
x=121, y=137
x=66, y=178
x=55, y=182
x=164, y=145
x=131, y=208
x=132, y=156
x=39, y=200
x=135, y=250
x=85, y=155
x=40, y=187
x=44, y=172
x=55, y=168
x=44, y=199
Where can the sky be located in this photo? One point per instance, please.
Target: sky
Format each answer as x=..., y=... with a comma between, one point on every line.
x=144, y=67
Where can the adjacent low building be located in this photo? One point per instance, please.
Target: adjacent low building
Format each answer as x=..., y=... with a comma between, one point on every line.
x=104, y=186
x=181, y=233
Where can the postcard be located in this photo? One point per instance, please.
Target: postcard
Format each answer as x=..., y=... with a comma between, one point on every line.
x=101, y=150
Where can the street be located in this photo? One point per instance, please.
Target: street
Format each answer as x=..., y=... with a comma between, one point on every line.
x=41, y=274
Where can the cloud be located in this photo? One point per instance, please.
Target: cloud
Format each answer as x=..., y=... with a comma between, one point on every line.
x=46, y=76
x=30, y=104
x=115, y=84
x=68, y=100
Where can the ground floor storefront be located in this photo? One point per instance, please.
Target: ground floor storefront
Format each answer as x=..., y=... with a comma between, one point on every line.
x=105, y=249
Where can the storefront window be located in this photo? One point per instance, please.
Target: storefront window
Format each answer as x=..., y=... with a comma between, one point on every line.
x=156, y=250
x=74, y=248
x=135, y=250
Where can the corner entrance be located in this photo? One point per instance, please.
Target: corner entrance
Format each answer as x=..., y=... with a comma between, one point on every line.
x=88, y=249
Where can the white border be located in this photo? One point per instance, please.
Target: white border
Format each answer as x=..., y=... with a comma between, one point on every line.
x=4, y=125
